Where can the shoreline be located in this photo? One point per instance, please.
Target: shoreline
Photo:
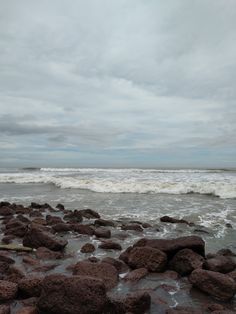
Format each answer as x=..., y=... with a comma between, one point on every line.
x=126, y=255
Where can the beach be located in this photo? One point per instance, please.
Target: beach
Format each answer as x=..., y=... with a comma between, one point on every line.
x=110, y=210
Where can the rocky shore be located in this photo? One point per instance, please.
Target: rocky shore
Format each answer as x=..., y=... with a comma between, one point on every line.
x=59, y=261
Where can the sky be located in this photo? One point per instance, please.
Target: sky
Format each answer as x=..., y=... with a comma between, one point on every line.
x=118, y=83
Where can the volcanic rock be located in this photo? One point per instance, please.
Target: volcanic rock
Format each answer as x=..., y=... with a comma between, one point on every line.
x=109, y=245
x=8, y=290
x=102, y=232
x=87, y=248
x=220, y=263
x=30, y=286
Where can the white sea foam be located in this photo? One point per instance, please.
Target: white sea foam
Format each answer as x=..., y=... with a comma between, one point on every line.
x=222, y=184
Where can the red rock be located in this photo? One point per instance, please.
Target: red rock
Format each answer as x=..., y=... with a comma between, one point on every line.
x=44, y=268
x=28, y=310
x=62, y=227
x=102, y=232
x=185, y=261
x=152, y=259
x=36, y=238
x=83, y=229
x=104, y=223
x=137, y=303
x=44, y=253
x=30, y=260
x=104, y=271
x=77, y=295
x=87, y=248
x=14, y=274
x=220, y=263
x=5, y=211
x=30, y=286
x=216, y=284
x=53, y=220
x=109, y=245
x=172, y=246
x=226, y=252
x=39, y=221
x=134, y=227
x=124, y=256
x=73, y=216
x=5, y=309
x=119, y=265
x=8, y=290
x=214, y=307
x=136, y=274
x=3, y=267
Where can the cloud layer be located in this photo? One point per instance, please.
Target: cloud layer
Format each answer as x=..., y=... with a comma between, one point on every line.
x=118, y=83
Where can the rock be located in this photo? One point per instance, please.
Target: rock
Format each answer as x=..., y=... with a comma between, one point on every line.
x=104, y=223
x=136, y=274
x=74, y=216
x=30, y=286
x=152, y=259
x=60, y=207
x=214, y=307
x=225, y=252
x=5, y=309
x=53, y=220
x=102, y=232
x=220, y=263
x=185, y=261
x=137, y=303
x=14, y=274
x=44, y=268
x=104, y=271
x=3, y=267
x=35, y=213
x=87, y=248
x=218, y=285
x=62, y=227
x=39, y=221
x=119, y=265
x=134, y=227
x=44, y=253
x=30, y=260
x=36, y=238
x=232, y=274
x=6, y=211
x=83, y=229
x=4, y=257
x=173, y=220
x=8, y=239
x=3, y=204
x=183, y=310
x=19, y=231
x=77, y=295
x=109, y=245
x=28, y=310
x=89, y=213
x=172, y=246
x=8, y=290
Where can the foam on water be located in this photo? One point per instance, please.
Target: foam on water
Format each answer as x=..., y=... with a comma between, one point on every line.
x=213, y=182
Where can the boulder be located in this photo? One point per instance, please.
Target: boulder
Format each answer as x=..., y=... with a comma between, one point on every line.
x=89, y=213
x=30, y=286
x=73, y=216
x=220, y=263
x=62, y=227
x=87, y=248
x=183, y=310
x=4, y=257
x=185, y=261
x=172, y=246
x=83, y=229
x=53, y=220
x=152, y=259
x=6, y=211
x=28, y=310
x=36, y=238
x=218, y=285
x=8, y=290
x=102, y=232
x=5, y=309
x=110, y=245
x=60, y=207
x=136, y=275
x=134, y=227
x=77, y=295
x=173, y=220
x=104, y=271
x=104, y=223
x=44, y=253
x=119, y=265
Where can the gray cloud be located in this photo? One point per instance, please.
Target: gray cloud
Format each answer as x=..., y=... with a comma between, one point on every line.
x=118, y=79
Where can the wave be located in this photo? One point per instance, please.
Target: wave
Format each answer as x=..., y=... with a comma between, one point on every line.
x=223, y=189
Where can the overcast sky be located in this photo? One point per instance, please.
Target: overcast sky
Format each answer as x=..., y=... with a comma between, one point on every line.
x=118, y=83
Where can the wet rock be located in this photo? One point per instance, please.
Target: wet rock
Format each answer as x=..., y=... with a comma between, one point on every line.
x=23, y=219
x=185, y=261
x=124, y=256
x=220, y=263
x=218, y=285
x=152, y=259
x=3, y=204
x=30, y=286
x=146, y=225
x=83, y=229
x=44, y=253
x=87, y=248
x=74, y=216
x=8, y=290
x=62, y=227
x=89, y=213
x=4, y=257
x=172, y=246
x=110, y=245
x=119, y=265
x=3, y=267
x=18, y=231
x=30, y=260
x=134, y=227
x=104, y=271
x=8, y=239
x=225, y=252
x=44, y=268
x=39, y=221
x=102, y=232
x=84, y=295
x=53, y=220
x=60, y=207
x=214, y=307
x=35, y=213
x=36, y=238
x=232, y=274
x=28, y=310
x=228, y=225
x=173, y=220
x=104, y=223
x=5, y=309
x=14, y=274
x=183, y=310
x=137, y=303
x=136, y=274
x=5, y=211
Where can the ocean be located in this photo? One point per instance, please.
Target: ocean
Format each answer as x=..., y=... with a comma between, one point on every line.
x=204, y=197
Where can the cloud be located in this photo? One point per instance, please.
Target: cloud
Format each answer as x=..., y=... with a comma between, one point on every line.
x=118, y=79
